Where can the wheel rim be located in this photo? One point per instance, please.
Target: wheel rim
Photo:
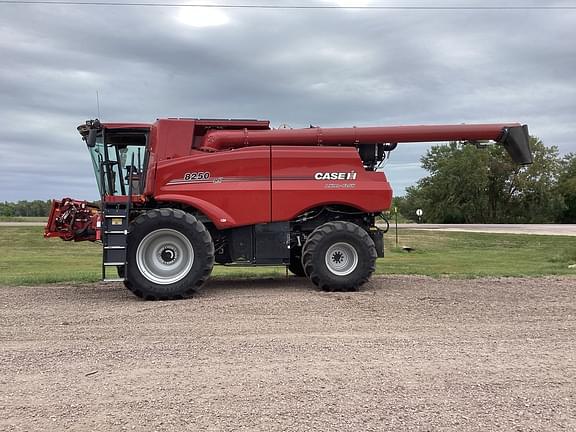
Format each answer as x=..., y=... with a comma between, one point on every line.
x=341, y=259
x=165, y=256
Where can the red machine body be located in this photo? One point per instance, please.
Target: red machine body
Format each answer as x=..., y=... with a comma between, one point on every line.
x=255, y=174
x=178, y=195
x=258, y=176
x=266, y=184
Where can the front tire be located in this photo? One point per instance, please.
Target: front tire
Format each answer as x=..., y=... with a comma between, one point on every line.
x=339, y=256
x=170, y=255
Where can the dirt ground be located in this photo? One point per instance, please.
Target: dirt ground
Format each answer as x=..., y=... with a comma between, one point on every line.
x=406, y=353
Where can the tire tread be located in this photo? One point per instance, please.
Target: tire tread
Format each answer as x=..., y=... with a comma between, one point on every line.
x=202, y=234
x=315, y=241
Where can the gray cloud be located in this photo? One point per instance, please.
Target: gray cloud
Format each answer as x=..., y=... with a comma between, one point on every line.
x=328, y=68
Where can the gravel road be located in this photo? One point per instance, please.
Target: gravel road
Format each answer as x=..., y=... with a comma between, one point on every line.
x=540, y=229
x=406, y=353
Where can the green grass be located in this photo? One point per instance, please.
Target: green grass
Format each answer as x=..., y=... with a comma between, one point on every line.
x=23, y=219
x=460, y=254
x=27, y=258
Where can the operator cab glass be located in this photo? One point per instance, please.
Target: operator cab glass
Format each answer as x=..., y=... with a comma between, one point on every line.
x=119, y=158
x=97, y=156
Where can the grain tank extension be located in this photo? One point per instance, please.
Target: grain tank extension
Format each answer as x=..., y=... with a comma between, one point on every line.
x=181, y=195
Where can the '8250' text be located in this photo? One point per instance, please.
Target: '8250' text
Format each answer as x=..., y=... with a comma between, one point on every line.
x=196, y=176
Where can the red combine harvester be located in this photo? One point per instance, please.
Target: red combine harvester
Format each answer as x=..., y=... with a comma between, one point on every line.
x=179, y=195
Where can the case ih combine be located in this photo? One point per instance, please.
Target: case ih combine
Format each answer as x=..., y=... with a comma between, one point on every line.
x=179, y=195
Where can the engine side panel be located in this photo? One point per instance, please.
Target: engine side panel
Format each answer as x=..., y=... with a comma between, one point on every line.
x=308, y=177
x=232, y=188
x=263, y=184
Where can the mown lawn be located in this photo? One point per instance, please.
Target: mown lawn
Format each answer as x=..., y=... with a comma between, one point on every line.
x=27, y=258
x=23, y=219
x=462, y=254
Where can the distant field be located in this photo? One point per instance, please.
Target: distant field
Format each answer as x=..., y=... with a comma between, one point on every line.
x=467, y=254
x=23, y=219
x=27, y=258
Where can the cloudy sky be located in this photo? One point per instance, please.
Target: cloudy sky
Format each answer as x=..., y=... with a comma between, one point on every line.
x=328, y=67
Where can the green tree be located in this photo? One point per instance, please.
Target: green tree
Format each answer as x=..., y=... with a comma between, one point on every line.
x=470, y=186
x=7, y=209
x=567, y=189
x=25, y=208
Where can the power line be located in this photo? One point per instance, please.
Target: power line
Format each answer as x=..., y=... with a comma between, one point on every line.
x=268, y=6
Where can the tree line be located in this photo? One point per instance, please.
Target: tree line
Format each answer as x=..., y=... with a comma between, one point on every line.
x=35, y=208
x=465, y=185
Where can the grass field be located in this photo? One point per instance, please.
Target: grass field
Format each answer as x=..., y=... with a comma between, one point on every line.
x=465, y=254
x=27, y=258
x=23, y=219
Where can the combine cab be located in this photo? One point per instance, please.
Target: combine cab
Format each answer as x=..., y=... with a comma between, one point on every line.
x=179, y=195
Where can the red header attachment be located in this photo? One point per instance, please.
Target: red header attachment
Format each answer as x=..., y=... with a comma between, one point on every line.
x=73, y=220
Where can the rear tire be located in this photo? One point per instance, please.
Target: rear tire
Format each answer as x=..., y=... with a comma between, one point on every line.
x=295, y=265
x=339, y=256
x=170, y=255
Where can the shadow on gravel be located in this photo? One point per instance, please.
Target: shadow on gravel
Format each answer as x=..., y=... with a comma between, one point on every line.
x=220, y=284
x=268, y=285
x=109, y=293
x=100, y=292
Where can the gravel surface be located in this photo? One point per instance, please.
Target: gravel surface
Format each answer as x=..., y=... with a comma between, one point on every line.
x=406, y=353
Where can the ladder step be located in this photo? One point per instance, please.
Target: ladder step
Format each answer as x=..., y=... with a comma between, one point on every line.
x=114, y=228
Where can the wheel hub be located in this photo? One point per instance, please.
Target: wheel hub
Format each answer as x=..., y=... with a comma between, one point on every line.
x=165, y=256
x=337, y=257
x=168, y=255
x=341, y=259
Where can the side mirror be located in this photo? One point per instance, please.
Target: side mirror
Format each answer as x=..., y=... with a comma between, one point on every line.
x=91, y=139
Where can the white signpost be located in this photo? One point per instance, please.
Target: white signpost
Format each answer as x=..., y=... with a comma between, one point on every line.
x=419, y=213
